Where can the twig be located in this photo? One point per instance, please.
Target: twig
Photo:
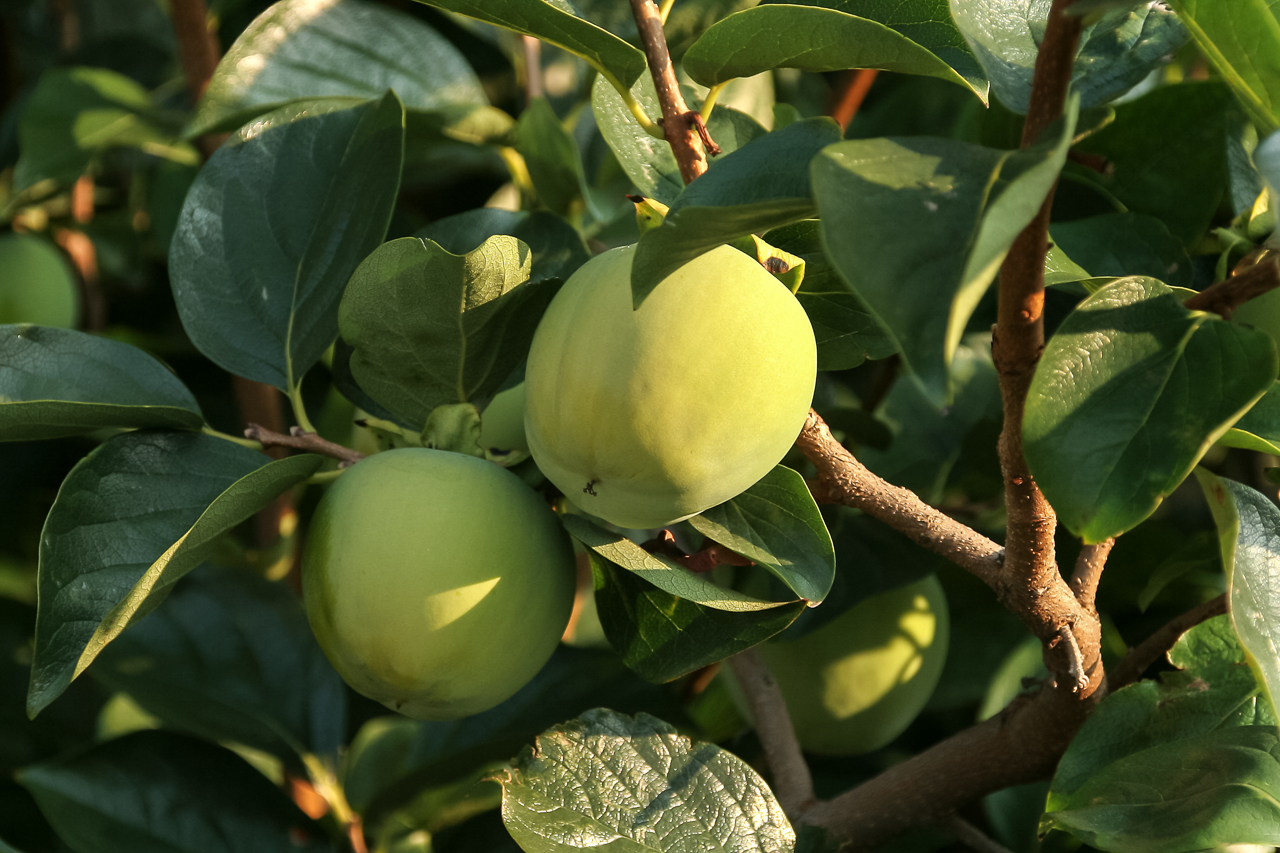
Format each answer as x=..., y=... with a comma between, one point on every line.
x=1089, y=565
x=791, y=779
x=678, y=121
x=1246, y=283
x=196, y=42
x=1075, y=661
x=1149, y=650
x=532, y=67
x=843, y=479
x=851, y=95
x=300, y=439
x=972, y=837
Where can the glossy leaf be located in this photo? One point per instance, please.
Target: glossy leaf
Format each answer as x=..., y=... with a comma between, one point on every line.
x=776, y=524
x=1249, y=535
x=920, y=39
x=306, y=49
x=230, y=657
x=1129, y=394
x=1115, y=53
x=550, y=154
x=429, y=328
x=134, y=516
x=58, y=382
x=553, y=22
x=273, y=227
x=918, y=228
x=557, y=247
x=637, y=780
x=1123, y=244
x=762, y=185
x=1242, y=40
x=648, y=161
x=74, y=113
x=1259, y=429
x=159, y=792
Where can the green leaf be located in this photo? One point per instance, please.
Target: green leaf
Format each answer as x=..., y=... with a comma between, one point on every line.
x=1259, y=429
x=557, y=247
x=777, y=524
x=58, y=382
x=1124, y=244
x=554, y=21
x=648, y=161
x=230, y=657
x=159, y=792
x=762, y=185
x=1242, y=40
x=608, y=778
x=273, y=227
x=1249, y=535
x=918, y=228
x=132, y=517
x=1129, y=394
x=429, y=328
x=918, y=39
x=1183, y=180
x=301, y=49
x=76, y=112
x=1115, y=53
x=551, y=156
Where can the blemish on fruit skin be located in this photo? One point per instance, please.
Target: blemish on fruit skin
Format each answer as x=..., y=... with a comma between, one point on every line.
x=591, y=488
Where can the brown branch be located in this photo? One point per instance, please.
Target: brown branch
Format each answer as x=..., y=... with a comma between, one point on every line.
x=843, y=479
x=792, y=782
x=679, y=123
x=300, y=439
x=197, y=43
x=851, y=94
x=1149, y=650
x=532, y=67
x=1247, y=281
x=972, y=837
x=1089, y=565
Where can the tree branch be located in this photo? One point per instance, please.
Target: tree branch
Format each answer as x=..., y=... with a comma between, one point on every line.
x=300, y=439
x=791, y=779
x=1246, y=282
x=682, y=127
x=1149, y=650
x=843, y=479
x=1089, y=565
x=972, y=837
x=849, y=97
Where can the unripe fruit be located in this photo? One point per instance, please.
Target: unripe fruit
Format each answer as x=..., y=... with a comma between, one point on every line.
x=502, y=422
x=436, y=583
x=645, y=417
x=36, y=284
x=856, y=683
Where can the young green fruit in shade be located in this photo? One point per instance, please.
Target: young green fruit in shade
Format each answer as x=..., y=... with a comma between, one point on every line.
x=502, y=422
x=436, y=583
x=644, y=417
x=855, y=684
x=36, y=284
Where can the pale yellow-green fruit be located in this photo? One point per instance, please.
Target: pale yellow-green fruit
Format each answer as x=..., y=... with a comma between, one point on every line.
x=649, y=416
x=502, y=422
x=855, y=684
x=36, y=283
x=436, y=583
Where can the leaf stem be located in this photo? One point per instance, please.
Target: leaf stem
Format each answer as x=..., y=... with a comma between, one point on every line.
x=299, y=410
x=243, y=442
x=709, y=102
x=324, y=477
x=665, y=11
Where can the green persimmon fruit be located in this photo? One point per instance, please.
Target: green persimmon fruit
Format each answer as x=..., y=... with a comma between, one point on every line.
x=502, y=422
x=36, y=283
x=855, y=684
x=645, y=417
x=436, y=583
x=1263, y=313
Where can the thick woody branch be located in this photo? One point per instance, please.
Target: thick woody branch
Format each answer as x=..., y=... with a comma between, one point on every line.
x=791, y=779
x=1089, y=566
x=1149, y=650
x=682, y=127
x=843, y=479
x=1249, y=280
x=300, y=439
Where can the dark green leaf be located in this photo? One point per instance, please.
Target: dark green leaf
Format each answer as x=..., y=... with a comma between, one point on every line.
x=777, y=524
x=554, y=21
x=1259, y=429
x=75, y=113
x=832, y=35
x=273, y=227
x=762, y=185
x=557, y=247
x=230, y=657
x=551, y=156
x=648, y=161
x=158, y=792
x=58, y=382
x=918, y=228
x=429, y=328
x=1115, y=53
x=1123, y=244
x=1242, y=40
x=639, y=782
x=133, y=517
x=300, y=49
x=1249, y=535
x=1129, y=394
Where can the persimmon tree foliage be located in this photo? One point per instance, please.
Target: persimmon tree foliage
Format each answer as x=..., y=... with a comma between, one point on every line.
x=247, y=246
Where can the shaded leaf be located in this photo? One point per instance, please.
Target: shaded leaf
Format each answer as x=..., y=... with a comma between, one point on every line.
x=1123, y=244
x=132, y=517
x=1242, y=40
x=430, y=328
x=273, y=227
x=1259, y=429
x=557, y=247
x=606, y=777
x=1129, y=394
x=59, y=382
x=306, y=49
x=551, y=156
